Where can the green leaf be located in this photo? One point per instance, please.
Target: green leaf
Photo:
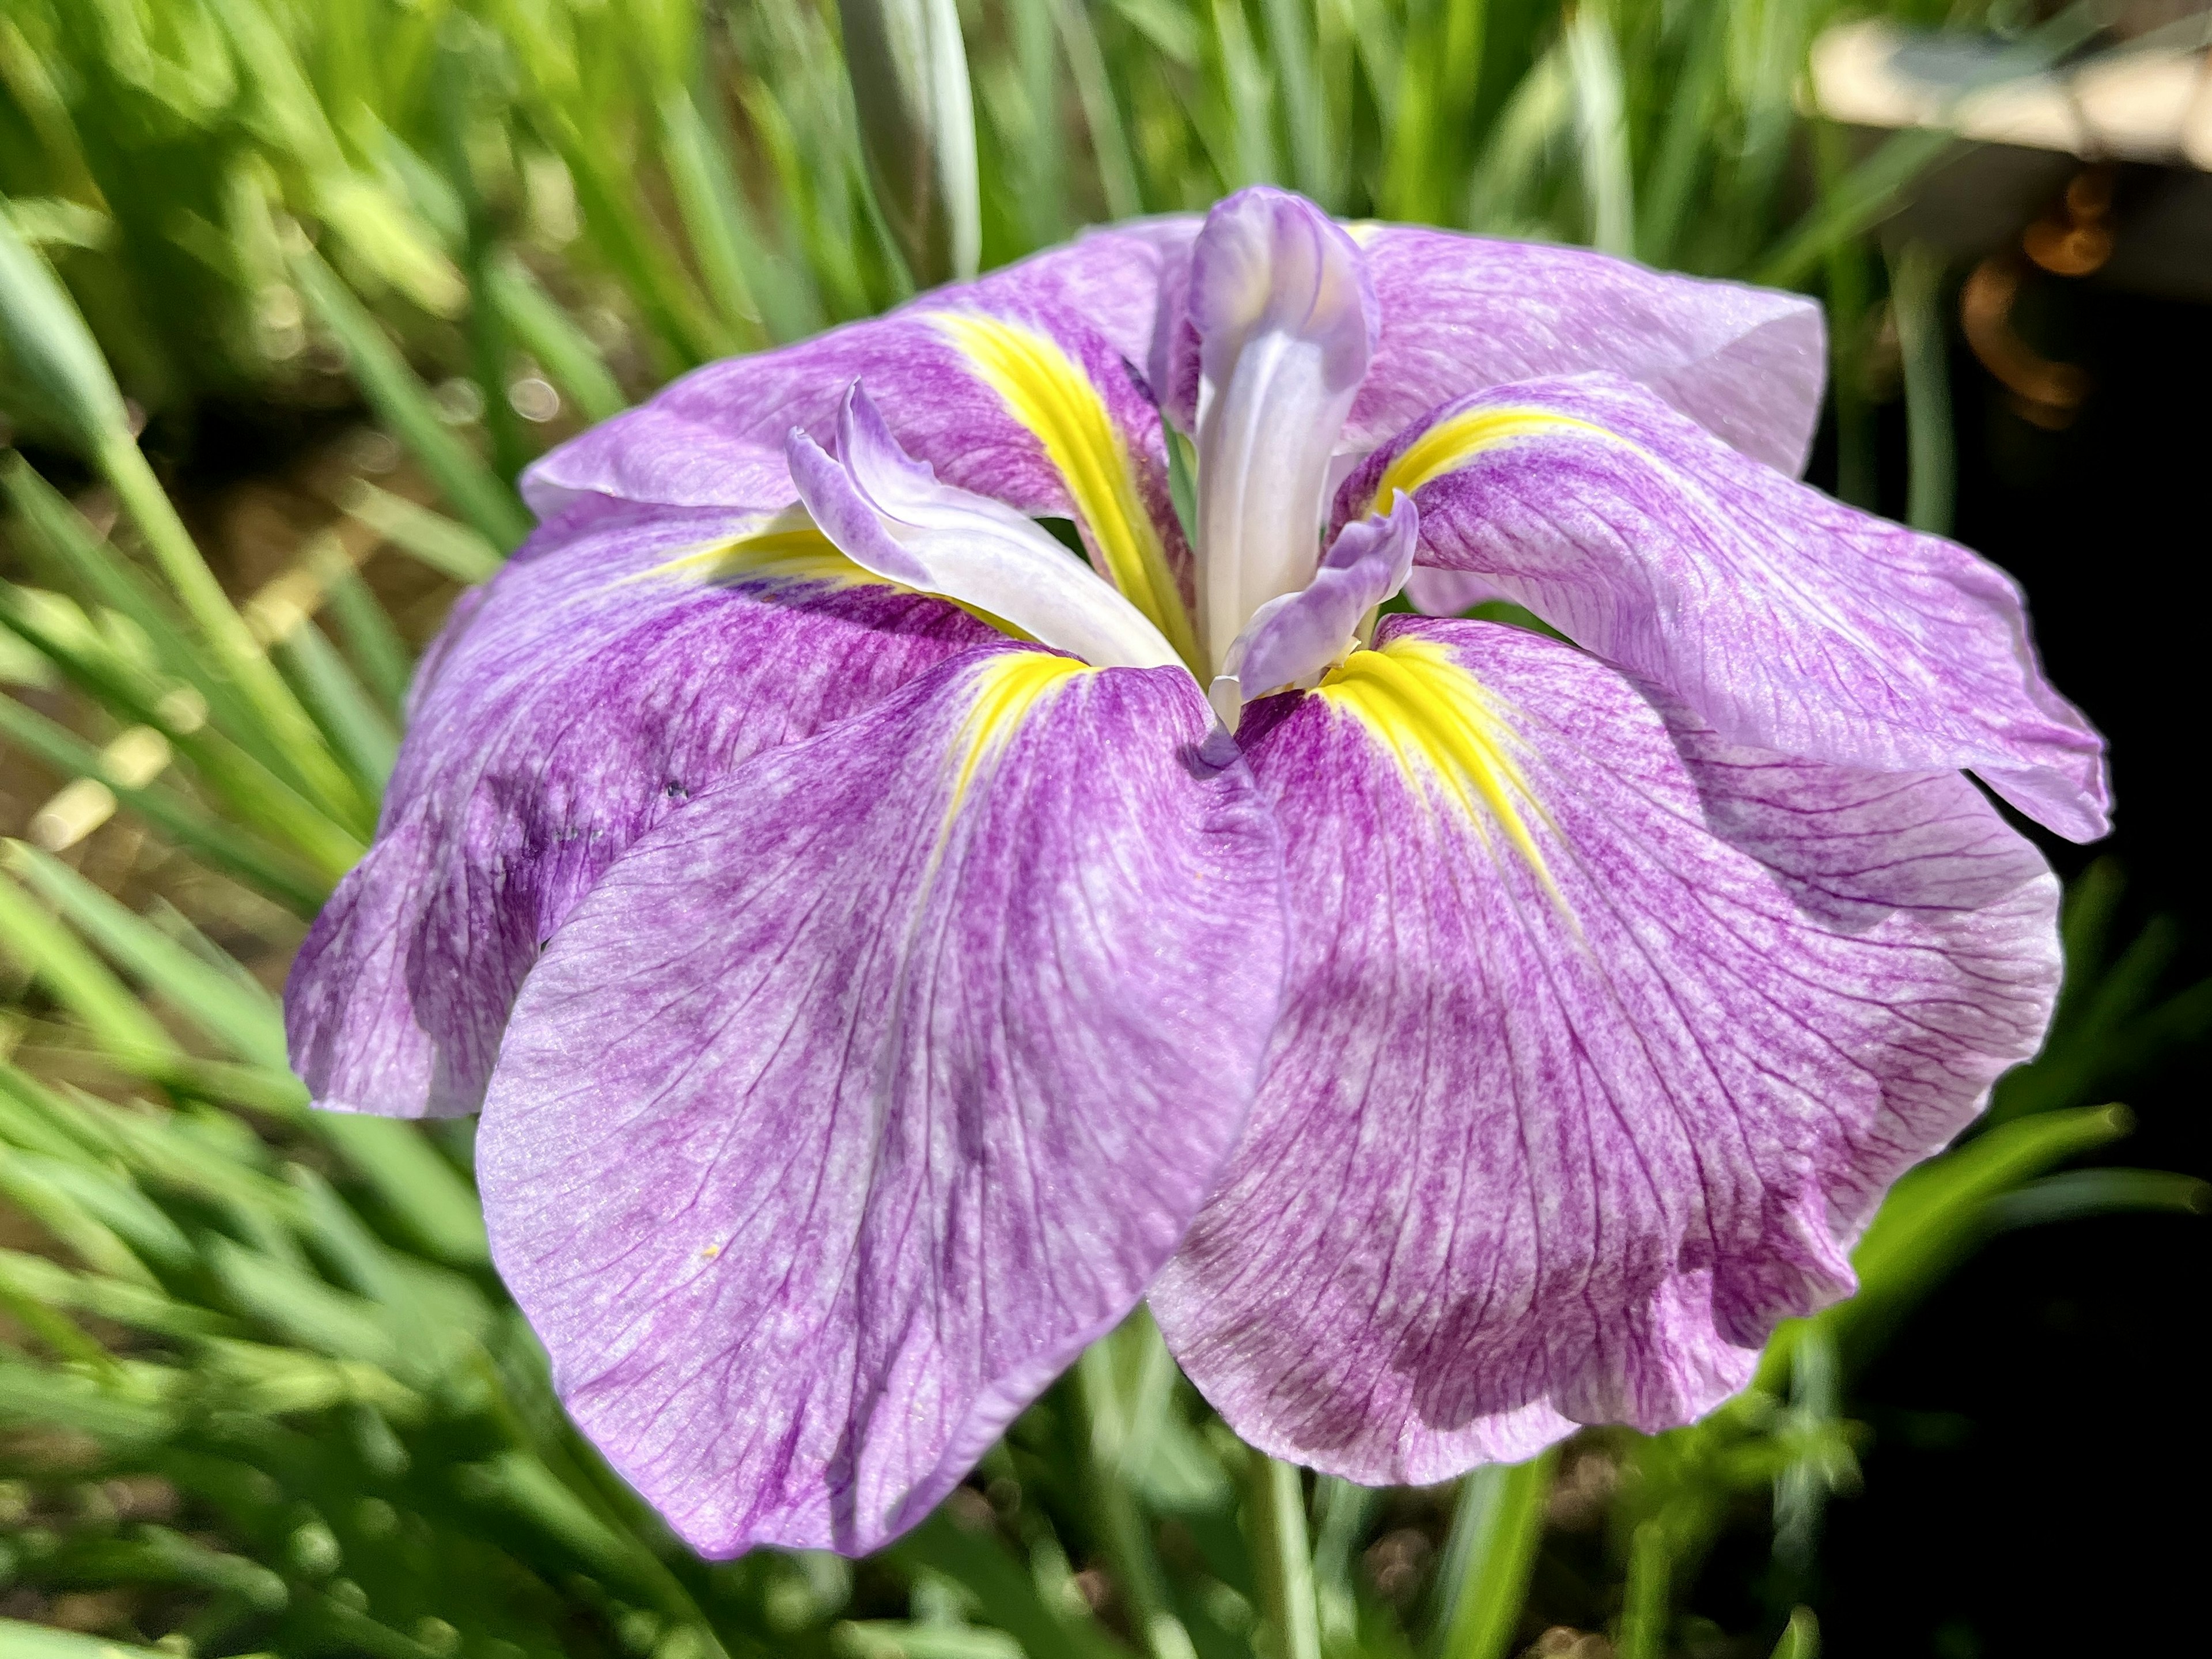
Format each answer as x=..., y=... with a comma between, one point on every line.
x=223, y=846
x=562, y=348
x=1483, y=1577
x=246, y=1020
x=403, y=405
x=43, y=336
x=451, y=549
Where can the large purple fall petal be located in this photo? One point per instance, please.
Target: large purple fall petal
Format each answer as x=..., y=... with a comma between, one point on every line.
x=860, y=1096
x=1783, y=617
x=616, y=668
x=1603, y=1039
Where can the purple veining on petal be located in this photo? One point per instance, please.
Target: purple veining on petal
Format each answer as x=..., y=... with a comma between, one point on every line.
x=1541, y=1150
x=1462, y=312
x=571, y=705
x=860, y=1097
x=1785, y=618
x=1292, y=639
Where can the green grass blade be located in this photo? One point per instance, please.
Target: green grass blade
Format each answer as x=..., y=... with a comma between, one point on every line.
x=1102, y=116
x=1483, y=1577
x=57, y=534
x=429, y=538
x=1916, y=298
x=405, y=407
x=45, y=337
x=359, y=730
x=1601, y=131
x=706, y=200
x=1297, y=85
x=428, y=1197
x=247, y=1022
x=2080, y=1193
x=562, y=348
x=384, y=662
x=1275, y=1524
x=76, y=978
x=227, y=847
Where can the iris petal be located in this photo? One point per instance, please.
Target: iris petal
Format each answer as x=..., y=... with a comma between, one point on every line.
x=1284, y=321
x=1603, y=1038
x=1291, y=640
x=715, y=438
x=624, y=661
x=1785, y=618
x=888, y=512
x=858, y=1098
x=1461, y=313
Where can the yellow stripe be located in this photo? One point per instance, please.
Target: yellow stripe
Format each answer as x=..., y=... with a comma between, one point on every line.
x=784, y=548
x=1453, y=442
x=788, y=548
x=1006, y=688
x=1048, y=392
x=1446, y=734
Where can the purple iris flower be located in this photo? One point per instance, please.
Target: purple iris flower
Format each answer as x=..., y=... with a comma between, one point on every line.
x=886, y=945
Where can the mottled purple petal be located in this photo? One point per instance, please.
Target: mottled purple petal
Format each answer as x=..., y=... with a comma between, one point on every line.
x=1463, y=312
x=859, y=1098
x=888, y=512
x=1460, y=314
x=1603, y=1039
x=1284, y=318
x=1291, y=640
x=578, y=701
x=1020, y=387
x=1783, y=617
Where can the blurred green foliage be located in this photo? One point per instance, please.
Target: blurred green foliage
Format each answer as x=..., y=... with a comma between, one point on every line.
x=259, y=1390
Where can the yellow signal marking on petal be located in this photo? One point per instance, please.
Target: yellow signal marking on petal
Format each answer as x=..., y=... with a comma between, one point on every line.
x=788, y=548
x=1445, y=732
x=1004, y=691
x=783, y=547
x=1048, y=392
x=1452, y=443
x=1006, y=688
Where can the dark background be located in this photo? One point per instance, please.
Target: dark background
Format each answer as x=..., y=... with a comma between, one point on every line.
x=2037, y=1459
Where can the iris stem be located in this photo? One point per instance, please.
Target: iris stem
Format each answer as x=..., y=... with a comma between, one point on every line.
x=1915, y=290
x=1644, y=1598
x=1122, y=1523
x=1484, y=1579
x=1282, y=1561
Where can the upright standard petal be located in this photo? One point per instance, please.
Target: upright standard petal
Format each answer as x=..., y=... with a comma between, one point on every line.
x=1603, y=1038
x=1783, y=617
x=859, y=1099
x=625, y=661
x=1284, y=321
x=887, y=512
x=1460, y=313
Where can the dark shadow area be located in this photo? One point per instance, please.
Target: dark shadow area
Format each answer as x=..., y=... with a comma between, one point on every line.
x=2038, y=1443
